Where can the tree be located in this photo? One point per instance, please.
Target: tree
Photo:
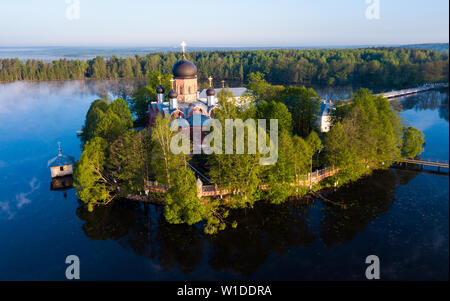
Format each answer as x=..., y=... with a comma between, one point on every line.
x=129, y=160
x=114, y=122
x=166, y=164
x=366, y=135
x=105, y=120
x=281, y=175
x=92, y=184
x=275, y=110
x=413, y=141
x=93, y=116
x=258, y=85
x=98, y=68
x=315, y=144
x=302, y=157
x=239, y=173
x=338, y=149
x=121, y=109
x=305, y=108
x=182, y=202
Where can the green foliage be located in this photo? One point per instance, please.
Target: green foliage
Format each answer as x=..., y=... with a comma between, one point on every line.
x=105, y=120
x=275, y=110
x=110, y=155
x=314, y=142
x=281, y=175
x=90, y=179
x=93, y=116
x=315, y=147
x=215, y=214
x=129, y=160
x=258, y=86
x=305, y=108
x=302, y=103
x=339, y=151
x=382, y=67
x=303, y=157
x=413, y=141
x=142, y=98
x=182, y=203
x=165, y=163
x=366, y=136
x=239, y=173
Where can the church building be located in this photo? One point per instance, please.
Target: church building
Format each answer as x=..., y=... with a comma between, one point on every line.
x=184, y=101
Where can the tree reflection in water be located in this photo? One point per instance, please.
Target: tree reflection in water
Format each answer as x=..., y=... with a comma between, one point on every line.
x=261, y=231
x=367, y=199
x=431, y=100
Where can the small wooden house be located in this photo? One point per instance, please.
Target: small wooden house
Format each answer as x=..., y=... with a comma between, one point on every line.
x=61, y=165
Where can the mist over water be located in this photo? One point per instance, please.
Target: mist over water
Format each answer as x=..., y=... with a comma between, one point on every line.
x=400, y=216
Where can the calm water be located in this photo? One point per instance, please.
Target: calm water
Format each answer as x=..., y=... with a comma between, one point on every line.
x=401, y=216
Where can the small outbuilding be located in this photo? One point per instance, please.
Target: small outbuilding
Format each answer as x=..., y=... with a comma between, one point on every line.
x=324, y=120
x=61, y=165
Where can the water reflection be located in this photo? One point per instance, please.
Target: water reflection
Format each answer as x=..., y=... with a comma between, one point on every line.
x=431, y=100
x=141, y=228
x=368, y=199
x=262, y=231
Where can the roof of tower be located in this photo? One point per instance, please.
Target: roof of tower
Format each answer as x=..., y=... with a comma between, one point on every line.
x=173, y=94
x=210, y=91
x=184, y=69
x=160, y=90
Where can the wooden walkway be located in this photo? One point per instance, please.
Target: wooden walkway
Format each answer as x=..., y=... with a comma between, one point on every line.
x=422, y=163
x=399, y=93
x=405, y=92
x=213, y=190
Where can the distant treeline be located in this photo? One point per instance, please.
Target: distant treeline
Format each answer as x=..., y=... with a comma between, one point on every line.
x=443, y=47
x=386, y=67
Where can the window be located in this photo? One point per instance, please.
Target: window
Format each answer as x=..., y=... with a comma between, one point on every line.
x=61, y=168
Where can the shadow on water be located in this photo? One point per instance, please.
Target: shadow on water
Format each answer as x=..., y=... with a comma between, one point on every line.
x=368, y=199
x=262, y=231
x=141, y=228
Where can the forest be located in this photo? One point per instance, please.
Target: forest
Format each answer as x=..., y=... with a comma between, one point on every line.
x=367, y=67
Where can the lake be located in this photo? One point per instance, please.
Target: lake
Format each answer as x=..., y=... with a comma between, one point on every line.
x=399, y=215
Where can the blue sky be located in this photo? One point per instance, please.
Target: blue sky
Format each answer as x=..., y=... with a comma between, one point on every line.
x=222, y=23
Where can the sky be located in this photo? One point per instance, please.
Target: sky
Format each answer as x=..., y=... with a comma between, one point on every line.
x=230, y=23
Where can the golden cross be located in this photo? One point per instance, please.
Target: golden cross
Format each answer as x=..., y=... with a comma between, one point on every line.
x=210, y=81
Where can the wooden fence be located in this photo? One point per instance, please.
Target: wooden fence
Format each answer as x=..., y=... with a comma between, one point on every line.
x=214, y=190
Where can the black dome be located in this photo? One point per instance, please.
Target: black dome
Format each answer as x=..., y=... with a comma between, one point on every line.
x=210, y=91
x=184, y=69
x=173, y=94
x=160, y=90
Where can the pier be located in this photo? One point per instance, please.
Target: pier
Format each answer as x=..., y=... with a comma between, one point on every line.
x=422, y=163
x=405, y=92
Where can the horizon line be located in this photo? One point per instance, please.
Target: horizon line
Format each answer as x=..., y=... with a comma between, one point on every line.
x=223, y=46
